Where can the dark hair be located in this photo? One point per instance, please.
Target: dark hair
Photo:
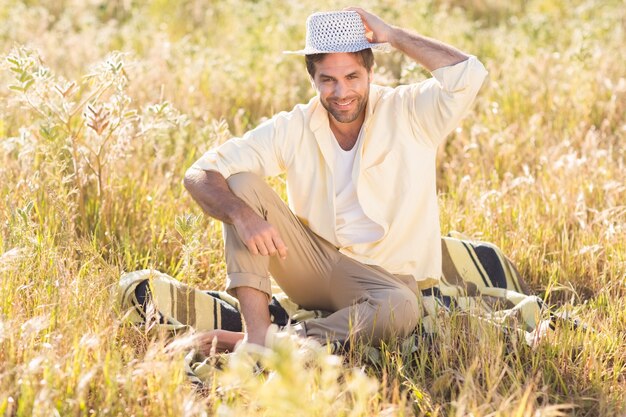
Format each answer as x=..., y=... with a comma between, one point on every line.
x=366, y=56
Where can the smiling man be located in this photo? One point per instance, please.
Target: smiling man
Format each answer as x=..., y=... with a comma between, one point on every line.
x=360, y=238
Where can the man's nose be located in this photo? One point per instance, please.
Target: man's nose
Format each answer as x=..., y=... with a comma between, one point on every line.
x=340, y=89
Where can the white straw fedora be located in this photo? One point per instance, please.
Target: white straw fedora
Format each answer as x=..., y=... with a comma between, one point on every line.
x=341, y=31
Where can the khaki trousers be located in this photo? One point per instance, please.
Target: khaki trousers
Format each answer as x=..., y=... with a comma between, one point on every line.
x=366, y=302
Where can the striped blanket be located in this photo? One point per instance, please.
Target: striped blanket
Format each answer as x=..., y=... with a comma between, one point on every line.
x=477, y=279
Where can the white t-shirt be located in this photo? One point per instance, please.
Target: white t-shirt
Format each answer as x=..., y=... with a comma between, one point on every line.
x=351, y=223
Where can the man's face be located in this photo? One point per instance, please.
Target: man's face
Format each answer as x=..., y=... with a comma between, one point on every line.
x=343, y=86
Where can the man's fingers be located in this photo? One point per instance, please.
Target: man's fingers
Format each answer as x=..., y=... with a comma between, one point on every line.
x=260, y=244
x=376, y=30
x=271, y=248
x=266, y=241
x=276, y=246
x=252, y=246
x=257, y=246
x=360, y=11
x=224, y=341
x=280, y=246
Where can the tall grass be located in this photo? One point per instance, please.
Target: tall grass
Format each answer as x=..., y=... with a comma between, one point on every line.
x=105, y=104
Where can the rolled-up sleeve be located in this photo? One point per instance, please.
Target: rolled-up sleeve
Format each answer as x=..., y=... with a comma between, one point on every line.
x=260, y=151
x=439, y=103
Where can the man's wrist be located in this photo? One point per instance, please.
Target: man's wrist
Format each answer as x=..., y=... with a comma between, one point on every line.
x=399, y=37
x=393, y=35
x=241, y=214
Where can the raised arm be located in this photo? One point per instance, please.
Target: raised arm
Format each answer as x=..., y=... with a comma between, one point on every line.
x=436, y=105
x=429, y=53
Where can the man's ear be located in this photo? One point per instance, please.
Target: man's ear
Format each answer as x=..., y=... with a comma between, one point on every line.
x=312, y=83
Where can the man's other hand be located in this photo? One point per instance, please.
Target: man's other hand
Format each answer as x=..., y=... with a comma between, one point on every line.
x=259, y=236
x=377, y=31
x=218, y=340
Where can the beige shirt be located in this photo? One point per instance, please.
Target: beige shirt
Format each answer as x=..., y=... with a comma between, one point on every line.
x=394, y=168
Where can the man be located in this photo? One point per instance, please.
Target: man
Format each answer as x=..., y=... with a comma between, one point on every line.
x=361, y=236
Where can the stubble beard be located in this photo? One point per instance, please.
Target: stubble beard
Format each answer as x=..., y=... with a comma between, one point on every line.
x=342, y=117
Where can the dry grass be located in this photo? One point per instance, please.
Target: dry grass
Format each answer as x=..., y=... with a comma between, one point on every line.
x=94, y=143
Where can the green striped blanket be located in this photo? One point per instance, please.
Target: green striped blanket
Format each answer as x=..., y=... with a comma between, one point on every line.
x=477, y=279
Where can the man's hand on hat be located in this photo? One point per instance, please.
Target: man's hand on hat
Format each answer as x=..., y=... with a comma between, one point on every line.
x=378, y=31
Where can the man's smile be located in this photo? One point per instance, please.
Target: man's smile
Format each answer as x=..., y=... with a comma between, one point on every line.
x=344, y=103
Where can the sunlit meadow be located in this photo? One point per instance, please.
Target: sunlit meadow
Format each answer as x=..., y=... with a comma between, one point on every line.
x=103, y=105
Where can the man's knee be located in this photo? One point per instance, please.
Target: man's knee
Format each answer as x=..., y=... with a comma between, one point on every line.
x=399, y=312
x=243, y=184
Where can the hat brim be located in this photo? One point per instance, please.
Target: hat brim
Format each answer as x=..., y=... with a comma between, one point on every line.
x=382, y=47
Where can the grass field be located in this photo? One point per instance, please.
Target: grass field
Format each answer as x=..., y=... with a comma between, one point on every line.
x=103, y=105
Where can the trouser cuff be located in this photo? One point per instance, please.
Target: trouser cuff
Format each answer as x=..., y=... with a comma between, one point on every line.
x=246, y=279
